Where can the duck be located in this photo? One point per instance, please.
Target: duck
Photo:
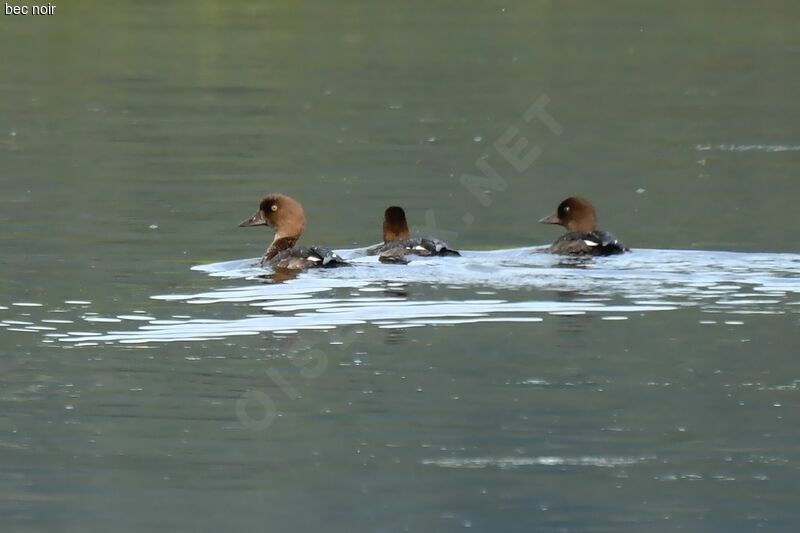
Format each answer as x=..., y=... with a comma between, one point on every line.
x=285, y=215
x=582, y=237
x=397, y=243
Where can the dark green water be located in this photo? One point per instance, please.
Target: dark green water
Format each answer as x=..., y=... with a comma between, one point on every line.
x=500, y=392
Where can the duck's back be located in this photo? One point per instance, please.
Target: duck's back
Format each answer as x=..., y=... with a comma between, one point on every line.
x=425, y=247
x=587, y=243
x=302, y=257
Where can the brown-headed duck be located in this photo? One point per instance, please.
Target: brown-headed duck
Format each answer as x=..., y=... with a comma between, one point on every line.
x=397, y=242
x=285, y=216
x=582, y=237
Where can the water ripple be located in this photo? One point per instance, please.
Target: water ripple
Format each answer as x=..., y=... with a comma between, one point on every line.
x=747, y=147
x=517, y=462
x=519, y=285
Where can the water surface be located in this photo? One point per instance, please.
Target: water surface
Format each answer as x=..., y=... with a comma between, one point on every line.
x=154, y=379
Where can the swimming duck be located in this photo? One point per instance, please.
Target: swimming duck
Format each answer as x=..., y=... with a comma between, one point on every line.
x=285, y=216
x=582, y=237
x=397, y=243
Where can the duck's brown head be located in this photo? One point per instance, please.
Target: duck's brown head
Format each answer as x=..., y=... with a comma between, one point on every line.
x=281, y=213
x=395, y=227
x=575, y=214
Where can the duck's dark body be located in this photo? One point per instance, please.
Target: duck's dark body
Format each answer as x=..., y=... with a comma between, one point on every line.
x=393, y=256
x=302, y=257
x=425, y=247
x=587, y=243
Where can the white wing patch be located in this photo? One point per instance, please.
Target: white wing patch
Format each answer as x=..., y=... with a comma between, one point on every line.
x=314, y=258
x=590, y=243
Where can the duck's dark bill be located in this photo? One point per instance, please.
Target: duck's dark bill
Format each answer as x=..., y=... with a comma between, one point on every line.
x=552, y=219
x=255, y=220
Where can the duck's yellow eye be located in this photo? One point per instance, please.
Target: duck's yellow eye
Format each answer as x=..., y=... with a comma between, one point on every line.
x=274, y=207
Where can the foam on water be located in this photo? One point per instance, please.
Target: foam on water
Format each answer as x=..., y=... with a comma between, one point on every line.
x=518, y=285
